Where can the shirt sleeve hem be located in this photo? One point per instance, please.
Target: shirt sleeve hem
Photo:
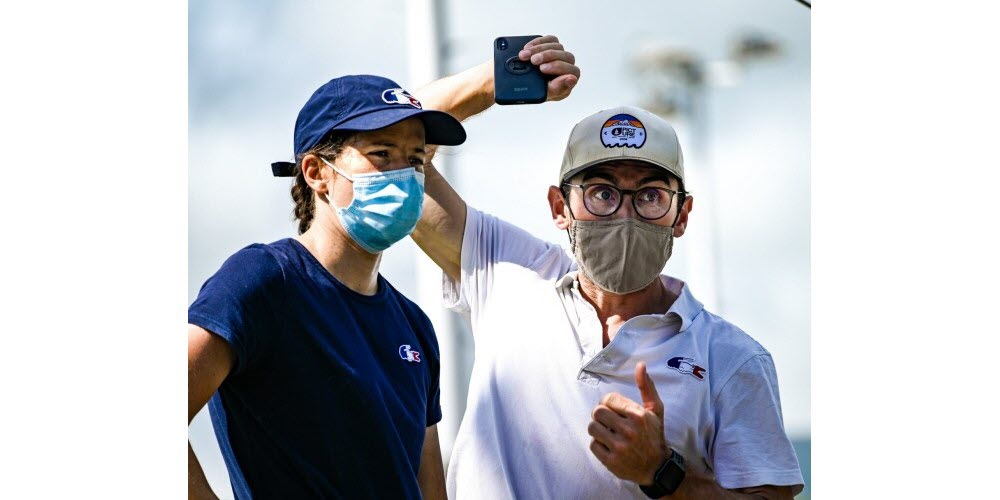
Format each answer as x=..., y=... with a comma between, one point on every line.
x=221, y=331
x=453, y=294
x=434, y=417
x=787, y=477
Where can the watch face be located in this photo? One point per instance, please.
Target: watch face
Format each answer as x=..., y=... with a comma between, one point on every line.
x=671, y=474
x=674, y=473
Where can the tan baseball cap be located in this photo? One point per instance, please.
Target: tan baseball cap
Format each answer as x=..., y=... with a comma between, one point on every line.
x=625, y=132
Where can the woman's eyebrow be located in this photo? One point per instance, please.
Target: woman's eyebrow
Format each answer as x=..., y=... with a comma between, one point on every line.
x=388, y=144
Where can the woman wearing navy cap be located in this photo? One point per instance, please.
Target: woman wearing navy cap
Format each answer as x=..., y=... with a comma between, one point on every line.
x=323, y=380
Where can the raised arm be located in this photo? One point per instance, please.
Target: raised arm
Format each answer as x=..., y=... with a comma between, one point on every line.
x=442, y=224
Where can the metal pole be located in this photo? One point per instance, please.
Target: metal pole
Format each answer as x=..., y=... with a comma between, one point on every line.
x=705, y=257
x=676, y=86
x=426, y=54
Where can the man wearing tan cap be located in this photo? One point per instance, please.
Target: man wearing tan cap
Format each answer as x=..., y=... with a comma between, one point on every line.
x=595, y=375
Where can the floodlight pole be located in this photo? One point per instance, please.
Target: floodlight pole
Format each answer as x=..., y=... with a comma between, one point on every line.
x=678, y=84
x=426, y=38
x=676, y=87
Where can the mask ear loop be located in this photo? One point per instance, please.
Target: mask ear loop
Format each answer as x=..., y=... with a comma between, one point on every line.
x=339, y=171
x=572, y=240
x=680, y=205
x=571, y=235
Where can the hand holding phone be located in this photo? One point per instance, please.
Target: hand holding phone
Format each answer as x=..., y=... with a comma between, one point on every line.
x=516, y=81
x=547, y=72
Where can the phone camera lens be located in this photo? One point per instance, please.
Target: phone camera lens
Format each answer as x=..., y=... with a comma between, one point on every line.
x=502, y=44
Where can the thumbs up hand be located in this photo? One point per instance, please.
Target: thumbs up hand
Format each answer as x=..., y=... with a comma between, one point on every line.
x=628, y=436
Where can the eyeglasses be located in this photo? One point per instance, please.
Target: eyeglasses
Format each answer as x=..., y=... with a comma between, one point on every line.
x=650, y=203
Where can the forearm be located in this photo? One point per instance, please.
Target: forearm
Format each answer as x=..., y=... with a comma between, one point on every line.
x=441, y=226
x=431, y=482
x=209, y=361
x=432, y=488
x=698, y=487
x=198, y=487
x=461, y=95
x=442, y=222
x=430, y=475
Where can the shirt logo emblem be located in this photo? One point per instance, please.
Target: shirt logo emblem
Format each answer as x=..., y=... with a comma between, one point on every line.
x=409, y=354
x=686, y=365
x=623, y=131
x=400, y=96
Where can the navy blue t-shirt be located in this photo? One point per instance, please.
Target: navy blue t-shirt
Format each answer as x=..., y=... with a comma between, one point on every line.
x=331, y=391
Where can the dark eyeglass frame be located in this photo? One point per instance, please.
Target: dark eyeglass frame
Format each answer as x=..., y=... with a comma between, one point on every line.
x=632, y=194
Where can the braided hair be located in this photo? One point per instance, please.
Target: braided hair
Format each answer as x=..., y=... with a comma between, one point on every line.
x=305, y=200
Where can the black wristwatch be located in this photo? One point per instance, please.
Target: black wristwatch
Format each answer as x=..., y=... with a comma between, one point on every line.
x=667, y=478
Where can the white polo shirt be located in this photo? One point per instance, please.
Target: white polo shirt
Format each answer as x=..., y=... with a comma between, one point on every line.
x=541, y=369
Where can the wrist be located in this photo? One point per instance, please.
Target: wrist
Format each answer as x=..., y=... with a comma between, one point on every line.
x=485, y=83
x=667, y=478
x=662, y=454
x=468, y=93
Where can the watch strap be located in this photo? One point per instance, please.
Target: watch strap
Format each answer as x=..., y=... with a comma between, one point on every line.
x=667, y=478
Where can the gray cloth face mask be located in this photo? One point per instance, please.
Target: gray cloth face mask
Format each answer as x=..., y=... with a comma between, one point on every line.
x=621, y=255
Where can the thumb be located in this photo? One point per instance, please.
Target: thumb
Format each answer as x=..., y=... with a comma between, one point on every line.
x=560, y=87
x=650, y=398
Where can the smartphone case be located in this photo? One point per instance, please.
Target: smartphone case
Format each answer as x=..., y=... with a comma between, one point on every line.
x=516, y=81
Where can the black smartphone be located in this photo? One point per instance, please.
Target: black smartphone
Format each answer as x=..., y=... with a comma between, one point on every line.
x=516, y=81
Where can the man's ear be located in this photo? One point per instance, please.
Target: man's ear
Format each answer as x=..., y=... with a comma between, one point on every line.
x=681, y=225
x=558, y=206
x=316, y=174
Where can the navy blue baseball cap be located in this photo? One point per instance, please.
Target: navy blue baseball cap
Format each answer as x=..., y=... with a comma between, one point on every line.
x=360, y=103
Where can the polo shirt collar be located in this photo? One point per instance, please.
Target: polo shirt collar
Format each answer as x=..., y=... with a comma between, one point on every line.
x=686, y=307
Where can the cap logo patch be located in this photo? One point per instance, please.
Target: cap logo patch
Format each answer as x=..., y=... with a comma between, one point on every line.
x=623, y=131
x=400, y=96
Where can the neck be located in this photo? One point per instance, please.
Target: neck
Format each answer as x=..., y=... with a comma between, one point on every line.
x=341, y=256
x=613, y=310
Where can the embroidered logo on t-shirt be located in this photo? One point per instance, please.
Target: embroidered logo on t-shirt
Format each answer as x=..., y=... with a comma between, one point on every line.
x=686, y=365
x=409, y=354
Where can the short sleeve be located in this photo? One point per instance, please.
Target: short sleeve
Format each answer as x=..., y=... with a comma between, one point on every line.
x=241, y=302
x=750, y=446
x=434, y=365
x=489, y=242
x=434, y=397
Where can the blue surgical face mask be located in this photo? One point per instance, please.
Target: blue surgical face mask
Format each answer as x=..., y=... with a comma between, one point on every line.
x=385, y=209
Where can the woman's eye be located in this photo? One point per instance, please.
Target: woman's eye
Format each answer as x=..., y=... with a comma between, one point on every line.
x=416, y=162
x=380, y=154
